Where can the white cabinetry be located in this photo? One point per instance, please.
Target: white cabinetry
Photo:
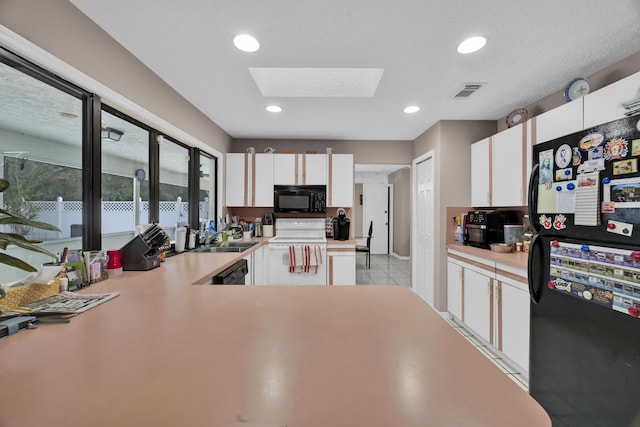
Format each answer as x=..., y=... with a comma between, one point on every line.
x=454, y=289
x=340, y=187
x=249, y=179
x=478, y=303
x=300, y=169
x=342, y=265
x=507, y=167
x=480, y=173
x=514, y=322
x=493, y=302
x=255, y=264
x=605, y=105
x=558, y=122
x=285, y=170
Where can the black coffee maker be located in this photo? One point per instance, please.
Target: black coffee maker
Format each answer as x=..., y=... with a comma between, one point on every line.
x=341, y=226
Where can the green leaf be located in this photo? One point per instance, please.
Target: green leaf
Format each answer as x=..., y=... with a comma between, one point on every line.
x=4, y=184
x=11, y=219
x=15, y=262
x=18, y=240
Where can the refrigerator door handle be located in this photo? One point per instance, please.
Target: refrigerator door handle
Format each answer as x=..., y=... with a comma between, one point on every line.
x=532, y=197
x=535, y=262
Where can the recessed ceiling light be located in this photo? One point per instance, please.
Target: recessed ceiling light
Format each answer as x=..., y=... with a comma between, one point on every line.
x=246, y=43
x=274, y=108
x=411, y=109
x=472, y=44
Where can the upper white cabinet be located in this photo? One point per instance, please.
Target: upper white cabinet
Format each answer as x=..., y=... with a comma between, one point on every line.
x=605, y=105
x=300, y=169
x=249, y=179
x=314, y=169
x=480, y=173
x=558, y=122
x=285, y=170
x=507, y=167
x=340, y=186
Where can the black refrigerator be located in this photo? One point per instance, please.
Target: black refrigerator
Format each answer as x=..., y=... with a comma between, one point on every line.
x=584, y=276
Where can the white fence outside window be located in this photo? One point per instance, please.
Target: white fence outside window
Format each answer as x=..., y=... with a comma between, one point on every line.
x=116, y=216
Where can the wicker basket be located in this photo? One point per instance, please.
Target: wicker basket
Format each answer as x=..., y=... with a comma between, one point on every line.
x=26, y=294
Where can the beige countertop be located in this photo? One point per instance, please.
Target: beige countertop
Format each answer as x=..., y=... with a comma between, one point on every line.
x=513, y=259
x=165, y=353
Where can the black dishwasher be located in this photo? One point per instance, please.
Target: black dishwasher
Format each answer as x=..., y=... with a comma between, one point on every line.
x=233, y=275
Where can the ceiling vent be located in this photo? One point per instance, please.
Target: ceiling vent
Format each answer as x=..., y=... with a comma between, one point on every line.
x=467, y=90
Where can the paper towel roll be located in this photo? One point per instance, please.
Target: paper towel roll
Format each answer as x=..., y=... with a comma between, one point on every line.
x=181, y=238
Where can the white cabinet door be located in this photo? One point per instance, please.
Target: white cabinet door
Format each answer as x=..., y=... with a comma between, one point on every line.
x=285, y=170
x=515, y=324
x=508, y=168
x=605, y=105
x=480, y=173
x=263, y=181
x=454, y=290
x=258, y=266
x=342, y=268
x=314, y=169
x=249, y=279
x=477, y=303
x=235, y=180
x=340, y=191
x=558, y=122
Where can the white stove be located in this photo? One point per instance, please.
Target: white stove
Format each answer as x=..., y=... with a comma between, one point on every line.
x=294, y=234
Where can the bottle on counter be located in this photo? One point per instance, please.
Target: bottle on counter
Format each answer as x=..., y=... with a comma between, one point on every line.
x=458, y=236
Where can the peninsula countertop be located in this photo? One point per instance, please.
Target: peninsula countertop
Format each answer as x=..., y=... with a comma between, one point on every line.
x=165, y=353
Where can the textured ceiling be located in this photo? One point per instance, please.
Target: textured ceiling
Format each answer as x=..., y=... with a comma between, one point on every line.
x=533, y=50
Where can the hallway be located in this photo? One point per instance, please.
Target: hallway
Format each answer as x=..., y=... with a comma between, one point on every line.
x=385, y=270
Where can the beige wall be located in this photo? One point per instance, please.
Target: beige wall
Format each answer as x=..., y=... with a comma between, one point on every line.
x=59, y=28
x=598, y=80
x=357, y=211
x=450, y=142
x=366, y=152
x=401, y=181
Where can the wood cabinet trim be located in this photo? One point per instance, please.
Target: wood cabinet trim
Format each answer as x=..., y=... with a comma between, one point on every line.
x=524, y=189
x=253, y=180
x=490, y=201
x=330, y=270
x=491, y=312
x=329, y=179
x=246, y=179
x=513, y=276
x=499, y=315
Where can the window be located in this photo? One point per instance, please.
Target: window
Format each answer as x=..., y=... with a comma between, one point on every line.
x=125, y=179
x=174, y=185
x=207, y=188
x=41, y=135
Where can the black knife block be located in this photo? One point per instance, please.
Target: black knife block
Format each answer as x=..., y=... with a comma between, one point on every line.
x=137, y=255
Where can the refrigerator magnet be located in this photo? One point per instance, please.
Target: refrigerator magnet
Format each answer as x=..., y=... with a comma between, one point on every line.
x=577, y=157
x=617, y=148
x=622, y=167
x=564, y=174
x=621, y=228
x=635, y=147
x=563, y=156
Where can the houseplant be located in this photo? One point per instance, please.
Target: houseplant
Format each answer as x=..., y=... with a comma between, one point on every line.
x=8, y=218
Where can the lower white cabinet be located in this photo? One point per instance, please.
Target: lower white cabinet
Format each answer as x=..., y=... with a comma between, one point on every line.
x=342, y=266
x=478, y=301
x=454, y=289
x=514, y=323
x=255, y=264
x=493, y=303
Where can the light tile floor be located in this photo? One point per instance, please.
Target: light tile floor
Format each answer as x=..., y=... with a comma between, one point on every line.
x=512, y=372
x=390, y=270
x=384, y=270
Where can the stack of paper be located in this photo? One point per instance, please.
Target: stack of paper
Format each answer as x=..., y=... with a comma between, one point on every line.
x=587, y=211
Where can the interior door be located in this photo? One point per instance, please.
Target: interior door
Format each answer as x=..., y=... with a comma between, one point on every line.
x=376, y=209
x=423, y=262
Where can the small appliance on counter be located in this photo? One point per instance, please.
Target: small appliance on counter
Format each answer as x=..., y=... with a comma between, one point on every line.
x=486, y=227
x=341, y=226
x=143, y=251
x=268, y=222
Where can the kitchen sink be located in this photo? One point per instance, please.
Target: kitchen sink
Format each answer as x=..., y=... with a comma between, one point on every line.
x=226, y=247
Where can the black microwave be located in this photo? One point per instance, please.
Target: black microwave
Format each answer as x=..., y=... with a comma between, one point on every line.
x=308, y=199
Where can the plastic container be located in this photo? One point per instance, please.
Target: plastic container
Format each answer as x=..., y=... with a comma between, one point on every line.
x=513, y=233
x=458, y=235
